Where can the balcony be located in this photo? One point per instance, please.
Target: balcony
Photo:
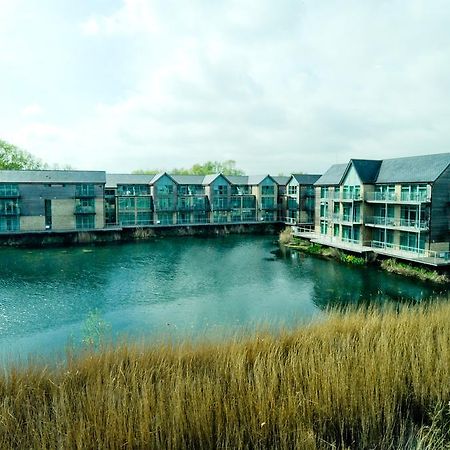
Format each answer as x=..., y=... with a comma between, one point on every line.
x=391, y=197
x=346, y=218
x=15, y=211
x=85, y=194
x=80, y=209
x=391, y=222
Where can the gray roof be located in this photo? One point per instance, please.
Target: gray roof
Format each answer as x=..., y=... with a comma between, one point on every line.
x=210, y=178
x=238, y=179
x=282, y=180
x=367, y=169
x=52, y=176
x=332, y=176
x=188, y=179
x=305, y=178
x=413, y=169
x=113, y=179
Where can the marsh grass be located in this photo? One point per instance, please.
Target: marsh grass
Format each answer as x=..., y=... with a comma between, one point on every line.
x=364, y=379
x=424, y=274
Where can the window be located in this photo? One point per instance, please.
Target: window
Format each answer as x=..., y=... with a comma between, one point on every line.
x=268, y=190
x=220, y=216
x=133, y=189
x=9, y=207
x=85, y=221
x=324, y=210
x=323, y=227
x=164, y=203
x=9, y=223
x=267, y=202
x=220, y=203
x=324, y=192
x=9, y=190
x=85, y=205
x=126, y=203
x=84, y=190
x=220, y=190
x=164, y=189
x=292, y=190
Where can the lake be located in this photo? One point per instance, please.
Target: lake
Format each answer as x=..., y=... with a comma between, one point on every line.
x=175, y=287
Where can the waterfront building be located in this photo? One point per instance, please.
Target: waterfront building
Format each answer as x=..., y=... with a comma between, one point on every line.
x=300, y=199
x=46, y=200
x=128, y=201
x=398, y=207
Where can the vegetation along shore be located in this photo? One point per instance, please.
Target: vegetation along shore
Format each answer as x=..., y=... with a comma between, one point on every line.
x=365, y=379
x=390, y=265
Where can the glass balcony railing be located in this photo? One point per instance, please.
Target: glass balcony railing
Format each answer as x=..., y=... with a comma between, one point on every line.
x=392, y=222
x=80, y=209
x=406, y=197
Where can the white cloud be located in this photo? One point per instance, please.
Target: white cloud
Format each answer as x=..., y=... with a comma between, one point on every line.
x=276, y=86
x=32, y=110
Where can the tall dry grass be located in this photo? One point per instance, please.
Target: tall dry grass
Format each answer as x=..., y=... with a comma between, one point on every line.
x=368, y=380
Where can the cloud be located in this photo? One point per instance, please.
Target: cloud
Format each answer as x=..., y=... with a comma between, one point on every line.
x=276, y=86
x=32, y=110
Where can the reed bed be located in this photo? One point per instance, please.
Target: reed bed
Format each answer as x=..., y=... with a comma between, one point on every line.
x=359, y=380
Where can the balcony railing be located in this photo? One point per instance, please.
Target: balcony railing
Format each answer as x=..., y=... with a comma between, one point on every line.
x=395, y=223
x=10, y=211
x=79, y=209
x=410, y=197
x=346, y=218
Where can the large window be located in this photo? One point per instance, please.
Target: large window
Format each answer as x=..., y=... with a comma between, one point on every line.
x=9, y=207
x=164, y=189
x=267, y=202
x=133, y=189
x=9, y=223
x=84, y=190
x=84, y=222
x=268, y=190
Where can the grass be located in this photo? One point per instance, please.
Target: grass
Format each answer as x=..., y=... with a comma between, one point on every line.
x=361, y=380
x=394, y=266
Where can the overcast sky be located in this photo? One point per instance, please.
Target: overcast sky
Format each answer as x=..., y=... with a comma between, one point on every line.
x=278, y=86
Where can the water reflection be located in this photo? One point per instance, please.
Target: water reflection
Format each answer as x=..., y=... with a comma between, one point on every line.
x=179, y=286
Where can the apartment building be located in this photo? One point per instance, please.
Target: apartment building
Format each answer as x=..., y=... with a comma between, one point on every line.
x=391, y=205
x=300, y=199
x=44, y=200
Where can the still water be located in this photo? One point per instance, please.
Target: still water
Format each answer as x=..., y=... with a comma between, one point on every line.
x=175, y=287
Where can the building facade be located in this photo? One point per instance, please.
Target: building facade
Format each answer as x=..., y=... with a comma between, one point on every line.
x=399, y=204
x=51, y=200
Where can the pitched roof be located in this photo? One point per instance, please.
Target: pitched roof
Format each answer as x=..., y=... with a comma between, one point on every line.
x=113, y=179
x=238, y=179
x=413, y=169
x=332, y=176
x=282, y=180
x=188, y=179
x=52, y=176
x=160, y=175
x=210, y=178
x=367, y=169
x=305, y=178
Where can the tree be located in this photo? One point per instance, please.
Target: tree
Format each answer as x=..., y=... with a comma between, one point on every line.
x=13, y=158
x=226, y=167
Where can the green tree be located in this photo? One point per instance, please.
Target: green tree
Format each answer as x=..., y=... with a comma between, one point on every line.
x=13, y=158
x=226, y=167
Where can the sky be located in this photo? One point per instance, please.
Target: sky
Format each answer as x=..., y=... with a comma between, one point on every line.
x=279, y=87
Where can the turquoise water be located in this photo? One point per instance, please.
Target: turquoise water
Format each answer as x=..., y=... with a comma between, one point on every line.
x=174, y=287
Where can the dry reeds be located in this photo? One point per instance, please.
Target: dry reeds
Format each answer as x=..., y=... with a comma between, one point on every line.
x=362, y=380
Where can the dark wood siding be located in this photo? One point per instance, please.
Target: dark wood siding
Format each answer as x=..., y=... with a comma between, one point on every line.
x=440, y=208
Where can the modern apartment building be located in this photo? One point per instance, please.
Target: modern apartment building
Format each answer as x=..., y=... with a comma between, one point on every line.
x=300, y=196
x=46, y=200
x=398, y=206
